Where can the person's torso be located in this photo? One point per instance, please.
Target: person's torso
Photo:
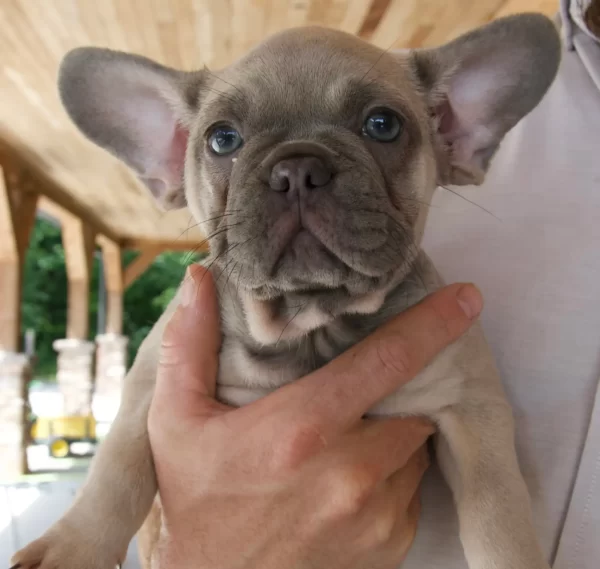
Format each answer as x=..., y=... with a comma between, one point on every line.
x=537, y=261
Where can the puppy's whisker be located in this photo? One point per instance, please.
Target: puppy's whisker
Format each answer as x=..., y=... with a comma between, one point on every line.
x=224, y=214
x=229, y=96
x=227, y=250
x=408, y=242
x=224, y=269
x=471, y=202
x=207, y=70
x=201, y=245
x=289, y=322
x=380, y=58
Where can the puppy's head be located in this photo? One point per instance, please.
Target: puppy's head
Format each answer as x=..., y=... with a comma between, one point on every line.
x=310, y=161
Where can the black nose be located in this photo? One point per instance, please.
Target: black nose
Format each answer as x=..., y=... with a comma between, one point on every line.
x=299, y=174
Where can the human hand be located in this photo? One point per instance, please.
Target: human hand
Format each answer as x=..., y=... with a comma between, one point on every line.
x=297, y=479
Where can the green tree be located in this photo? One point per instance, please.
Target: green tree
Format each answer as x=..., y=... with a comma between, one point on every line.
x=44, y=305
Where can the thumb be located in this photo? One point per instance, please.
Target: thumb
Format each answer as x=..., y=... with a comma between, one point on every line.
x=189, y=352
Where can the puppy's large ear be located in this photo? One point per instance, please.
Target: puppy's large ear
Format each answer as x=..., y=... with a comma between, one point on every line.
x=136, y=109
x=481, y=84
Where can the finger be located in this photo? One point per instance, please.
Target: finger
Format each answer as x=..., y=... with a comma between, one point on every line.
x=405, y=483
x=386, y=447
x=188, y=361
x=404, y=532
x=389, y=517
x=341, y=392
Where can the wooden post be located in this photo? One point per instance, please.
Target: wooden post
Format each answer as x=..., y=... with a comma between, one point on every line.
x=17, y=216
x=113, y=274
x=79, y=244
x=111, y=347
x=75, y=353
x=15, y=374
x=140, y=264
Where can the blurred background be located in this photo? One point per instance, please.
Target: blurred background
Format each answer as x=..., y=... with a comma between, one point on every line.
x=87, y=262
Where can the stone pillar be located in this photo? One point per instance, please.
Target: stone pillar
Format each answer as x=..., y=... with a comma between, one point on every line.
x=111, y=367
x=15, y=373
x=75, y=375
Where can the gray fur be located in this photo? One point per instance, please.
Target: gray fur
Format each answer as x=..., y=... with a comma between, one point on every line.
x=301, y=281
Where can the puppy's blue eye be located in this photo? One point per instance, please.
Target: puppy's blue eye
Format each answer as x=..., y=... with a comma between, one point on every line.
x=224, y=139
x=383, y=126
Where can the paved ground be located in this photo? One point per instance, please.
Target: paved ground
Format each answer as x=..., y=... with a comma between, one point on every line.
x=30, y=506
x=27, y=509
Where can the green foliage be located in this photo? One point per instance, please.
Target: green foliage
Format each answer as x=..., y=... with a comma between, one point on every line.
x=44, y=306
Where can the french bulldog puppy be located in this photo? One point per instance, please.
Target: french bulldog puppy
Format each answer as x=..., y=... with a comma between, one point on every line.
x=310, y=163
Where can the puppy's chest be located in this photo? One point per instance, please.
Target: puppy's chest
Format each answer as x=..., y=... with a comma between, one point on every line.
x=247, y=372
x=246, y=375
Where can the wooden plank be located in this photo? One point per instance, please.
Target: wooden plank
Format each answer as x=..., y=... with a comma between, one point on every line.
x=428, y=23
x=79, y=245
x=548, y=7
x=398, y=22
x=371, y=19
x=137, y=267
x=459, y=17
x=357, y=11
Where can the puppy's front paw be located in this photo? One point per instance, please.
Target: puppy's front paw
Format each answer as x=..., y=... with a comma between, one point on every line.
x=67, y=548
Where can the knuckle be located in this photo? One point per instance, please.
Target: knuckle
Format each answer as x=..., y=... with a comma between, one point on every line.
x=393, y=355
x=350, y=490
x=296, y=447
x=381, y=528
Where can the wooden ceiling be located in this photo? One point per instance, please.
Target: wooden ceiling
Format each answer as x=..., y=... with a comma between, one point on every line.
x=35, y=35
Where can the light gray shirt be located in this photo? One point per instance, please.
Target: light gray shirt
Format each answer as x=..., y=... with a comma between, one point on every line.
x=537, y=262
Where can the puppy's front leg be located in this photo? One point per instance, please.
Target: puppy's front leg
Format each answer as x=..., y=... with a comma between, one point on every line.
x=111, y=506
x=477, y=455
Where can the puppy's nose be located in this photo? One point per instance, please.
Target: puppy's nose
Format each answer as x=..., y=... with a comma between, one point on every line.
x=300, y=173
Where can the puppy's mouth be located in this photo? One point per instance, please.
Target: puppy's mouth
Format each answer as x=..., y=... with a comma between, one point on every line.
x=301, y=249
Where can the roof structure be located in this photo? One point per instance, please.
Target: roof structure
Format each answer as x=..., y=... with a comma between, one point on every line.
x=38, y=141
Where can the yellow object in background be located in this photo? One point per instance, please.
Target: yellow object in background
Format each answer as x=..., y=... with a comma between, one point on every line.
x=64, y=427
x=63, y=435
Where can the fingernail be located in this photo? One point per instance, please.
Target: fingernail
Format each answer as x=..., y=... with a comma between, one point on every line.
x=189, y=290
x=470, y=300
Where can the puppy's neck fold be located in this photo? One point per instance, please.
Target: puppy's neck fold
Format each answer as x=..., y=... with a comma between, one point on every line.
x=293, y=316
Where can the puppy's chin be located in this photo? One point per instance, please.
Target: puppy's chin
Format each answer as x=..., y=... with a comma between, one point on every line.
x=274, y=315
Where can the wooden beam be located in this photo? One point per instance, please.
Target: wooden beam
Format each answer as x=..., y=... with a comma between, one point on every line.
x=46, y=187
x=79, y=245
x=137, y=267
x=60, y=214
x=114, y=279
x=17, y=216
